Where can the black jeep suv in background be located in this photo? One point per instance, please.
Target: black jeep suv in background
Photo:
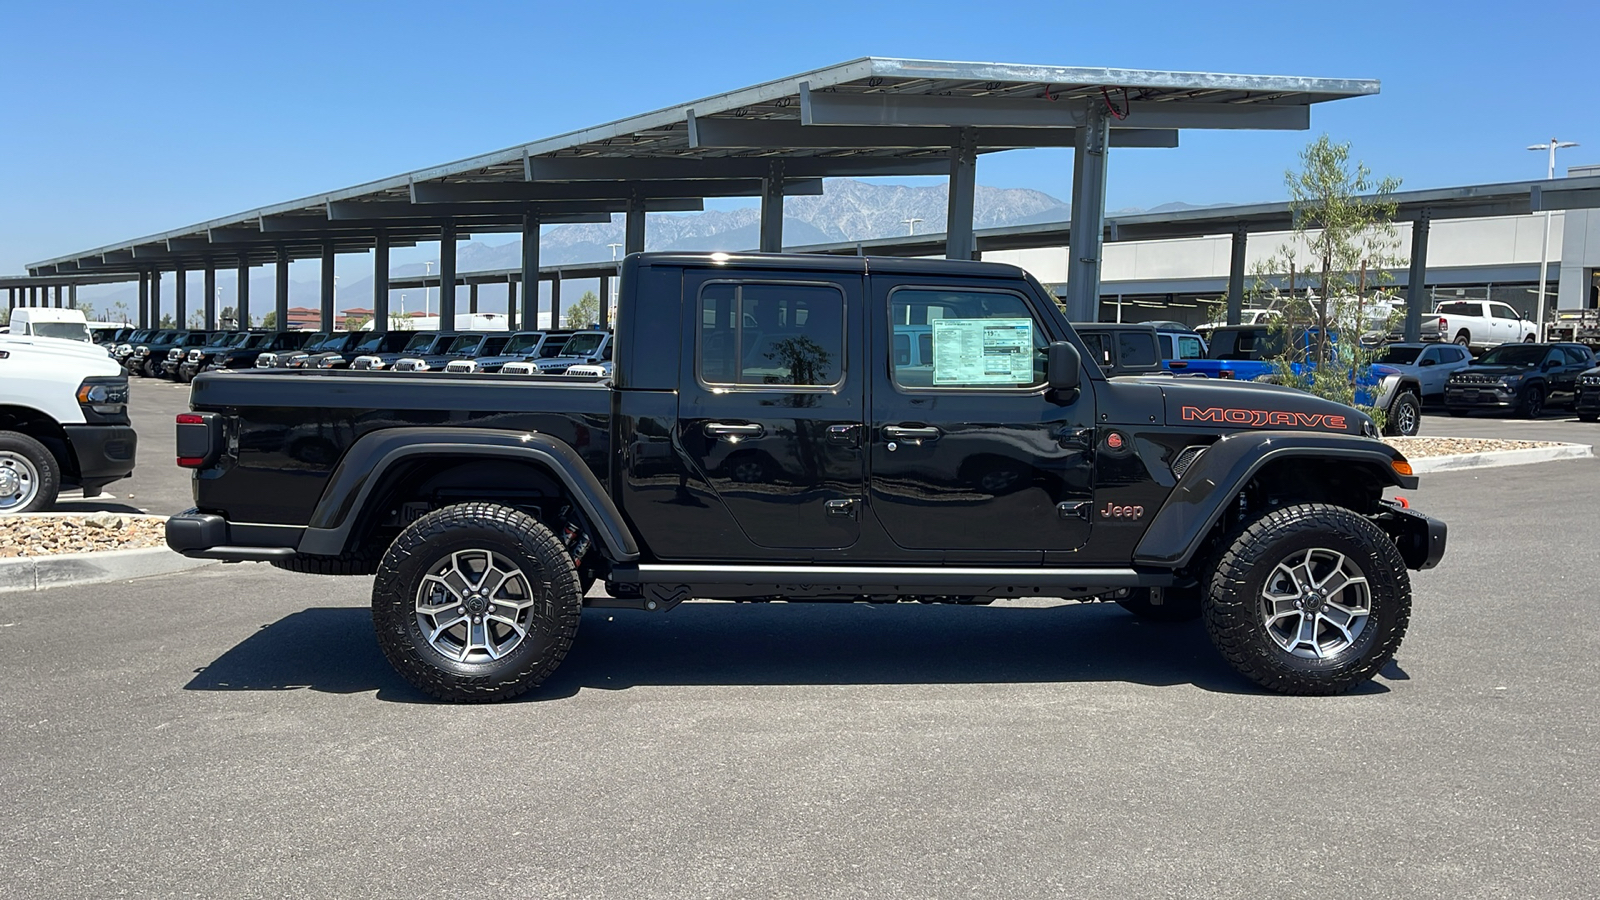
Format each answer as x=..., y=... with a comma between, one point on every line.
x=762, y=439
x=1522, y=378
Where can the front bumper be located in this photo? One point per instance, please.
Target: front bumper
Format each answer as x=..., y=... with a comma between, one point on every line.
x=1481, y=397
x=199, y=535
x=1588, y=399
x=104, y=453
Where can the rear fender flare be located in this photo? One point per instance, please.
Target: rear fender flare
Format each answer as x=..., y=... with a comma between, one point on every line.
x=1210, y=485
x=364, y=465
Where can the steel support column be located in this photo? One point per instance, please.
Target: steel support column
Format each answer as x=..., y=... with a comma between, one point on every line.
x=511, y=304
x=605, y=302
x=11, y=298
x=447, y=277
x=60, y=297
x=211, y=296
x=380, y=282
x=281, y=290
x=959, y=243
x=472, y=298
x=772, y=208
x=1236, y=275
x=72, y=296
x=555, y=301
x=180, y=298
x=242, y=313
x=1088, y=216
x=326, y=316
x=633, y=226
x=144, y=299
x=155, y=299
x=1416, y=286
x=530, y=272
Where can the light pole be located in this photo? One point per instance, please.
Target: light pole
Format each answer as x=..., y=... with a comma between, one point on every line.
x=427, y=292
x=910, y=224
x=1544, y=253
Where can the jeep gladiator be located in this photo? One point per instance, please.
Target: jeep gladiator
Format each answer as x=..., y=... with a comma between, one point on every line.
x=765, y=436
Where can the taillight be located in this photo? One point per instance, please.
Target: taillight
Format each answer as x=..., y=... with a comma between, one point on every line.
x=199, y=437
x=1444, y=325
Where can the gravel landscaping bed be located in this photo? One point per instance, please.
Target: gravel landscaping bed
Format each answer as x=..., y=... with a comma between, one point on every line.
x=1423, y=447
x=49, y=534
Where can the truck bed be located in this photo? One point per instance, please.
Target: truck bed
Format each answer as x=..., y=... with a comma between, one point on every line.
x=287, y=429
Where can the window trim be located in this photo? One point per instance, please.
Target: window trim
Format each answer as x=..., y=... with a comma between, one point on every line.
x=1040, y=322
x=738, y=283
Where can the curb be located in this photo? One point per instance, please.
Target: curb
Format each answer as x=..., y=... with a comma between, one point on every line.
x=36, y=573
x=1496, y=458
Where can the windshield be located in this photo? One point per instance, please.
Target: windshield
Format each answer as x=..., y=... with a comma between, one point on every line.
x=1514, y=355
x=253, y=341
x=420, y=340
x=552, y=346
x=1399, y=356
x=522, y=344
x=72, y=331
x=583, y=344
x=238, y=339
x=464, y=343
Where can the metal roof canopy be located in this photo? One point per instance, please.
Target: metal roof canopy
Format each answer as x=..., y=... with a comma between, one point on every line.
x=872, y=116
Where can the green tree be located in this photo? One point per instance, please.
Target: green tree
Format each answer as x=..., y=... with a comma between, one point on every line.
x=356, y=322
x=270, y=321
x=119, y=311
x=585, y=312
x=197, y=319
x=1344, y=224
x=166, y=321
x=87, y=309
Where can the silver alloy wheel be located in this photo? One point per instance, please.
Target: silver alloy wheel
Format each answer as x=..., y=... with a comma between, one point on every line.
x=474, y=606
x=1407, y=419
x=19, y=481
x=1316, y=603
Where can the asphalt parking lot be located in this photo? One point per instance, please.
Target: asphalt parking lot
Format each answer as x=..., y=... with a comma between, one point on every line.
x=234, y=731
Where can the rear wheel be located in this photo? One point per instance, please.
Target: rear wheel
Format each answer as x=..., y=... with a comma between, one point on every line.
x=476, y=602
x=1464, y=338
x=1528, y=339
x=1309, y=599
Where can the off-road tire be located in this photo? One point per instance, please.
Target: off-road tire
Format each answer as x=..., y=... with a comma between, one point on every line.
x=476, y=526
x=350, y=562
x=1532, y=402
x=1177, y=605
x=47, y=472
x=1396, y=417
x=1233, y=613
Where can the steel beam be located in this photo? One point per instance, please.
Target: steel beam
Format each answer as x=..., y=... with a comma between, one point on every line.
x=472, y=297
x=555, y=301
x=327, y=312
x=155, y=298
x=590, y=168
x=772, y=208
x=959, y=204
x=511, y=305
x=633, y=227
x=180, y=297
x=447, y=277
x=1088, y=217
x=1417, y=284
x=380, y=282
x=464, y=213
x=1556, y=195
x=211, y=296
x=530, y=271
x=144, y=299
x=605, y=302
x=792, y=134
x=72, y=296
x=242, y=312
x=280, y=307
x=930, y=110
x=1241, y=237
x=525, y=192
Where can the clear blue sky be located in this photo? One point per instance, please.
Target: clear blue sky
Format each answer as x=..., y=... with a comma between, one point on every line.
x=123, y=119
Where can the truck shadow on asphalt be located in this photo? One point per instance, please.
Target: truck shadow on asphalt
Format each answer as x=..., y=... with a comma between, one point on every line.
x=333, y=650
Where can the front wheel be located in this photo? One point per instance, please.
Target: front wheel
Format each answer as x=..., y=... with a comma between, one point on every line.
x=29, y=476
x=1532, y=402
x=1309, y=599
x=1405, y=416
x=476, y=602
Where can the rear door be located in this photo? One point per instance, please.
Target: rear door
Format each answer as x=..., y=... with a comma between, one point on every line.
x=968, y=455
x=770, y=402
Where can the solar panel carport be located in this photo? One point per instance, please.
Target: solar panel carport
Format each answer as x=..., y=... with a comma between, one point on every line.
x=872, y=116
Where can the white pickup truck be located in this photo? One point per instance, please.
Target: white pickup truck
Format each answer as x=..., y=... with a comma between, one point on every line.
x=1478, y=324
x=63, y=421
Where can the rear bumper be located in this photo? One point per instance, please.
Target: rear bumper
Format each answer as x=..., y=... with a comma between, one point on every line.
x=104, y=453
x=199, y=535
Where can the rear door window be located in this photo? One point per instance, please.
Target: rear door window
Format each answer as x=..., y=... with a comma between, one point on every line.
x=756, y=333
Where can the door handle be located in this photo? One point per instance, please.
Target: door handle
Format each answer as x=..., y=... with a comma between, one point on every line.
x=910, y=432
x=727, y=430
x=843, y=435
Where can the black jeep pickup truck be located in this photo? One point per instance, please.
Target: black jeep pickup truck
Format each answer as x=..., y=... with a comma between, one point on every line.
x=767, y=435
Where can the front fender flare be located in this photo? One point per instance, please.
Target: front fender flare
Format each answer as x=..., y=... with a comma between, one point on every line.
x=364, y=464
x=1215, y=479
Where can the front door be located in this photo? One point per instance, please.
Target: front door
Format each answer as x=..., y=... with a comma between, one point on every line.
x=770, y=409
x=970, y=454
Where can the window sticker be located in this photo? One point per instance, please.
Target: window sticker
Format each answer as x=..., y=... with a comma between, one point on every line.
x=982, y=351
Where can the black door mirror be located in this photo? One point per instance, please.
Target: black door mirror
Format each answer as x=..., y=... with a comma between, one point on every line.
x=1063, y=366
x=1430, y=361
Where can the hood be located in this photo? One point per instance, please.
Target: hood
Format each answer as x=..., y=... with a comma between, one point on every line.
x=1496, y=371
x=1222, y=404
x=55, y=345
